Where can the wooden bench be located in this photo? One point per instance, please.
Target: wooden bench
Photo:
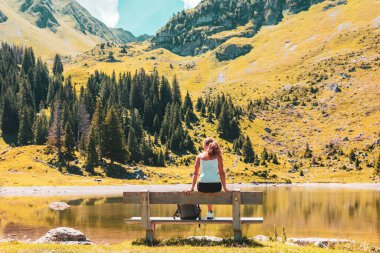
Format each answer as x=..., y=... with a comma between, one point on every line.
x=234, y=198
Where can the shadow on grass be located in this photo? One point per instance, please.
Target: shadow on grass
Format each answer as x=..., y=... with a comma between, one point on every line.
x=116, y=171
x=72, y=169
x=10, y=139
x=203, y=242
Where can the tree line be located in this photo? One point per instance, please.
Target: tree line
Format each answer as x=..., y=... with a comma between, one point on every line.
x=134, y=117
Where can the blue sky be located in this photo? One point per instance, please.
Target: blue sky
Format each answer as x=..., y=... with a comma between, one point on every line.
x=138, y=16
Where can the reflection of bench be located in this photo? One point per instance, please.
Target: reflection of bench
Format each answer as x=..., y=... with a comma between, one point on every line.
x=234, y=198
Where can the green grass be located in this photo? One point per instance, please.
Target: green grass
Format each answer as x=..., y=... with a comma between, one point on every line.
x=178, y=245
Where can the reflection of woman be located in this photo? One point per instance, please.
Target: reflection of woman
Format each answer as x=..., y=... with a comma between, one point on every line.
x=212, y=177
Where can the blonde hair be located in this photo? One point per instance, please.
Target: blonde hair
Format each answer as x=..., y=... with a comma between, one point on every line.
x=213, y=148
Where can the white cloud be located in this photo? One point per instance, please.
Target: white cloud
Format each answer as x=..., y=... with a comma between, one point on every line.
x=104, y=10
x=191, y=3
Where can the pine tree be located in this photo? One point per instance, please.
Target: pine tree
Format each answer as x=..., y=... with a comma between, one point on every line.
x=224, y=122
x=275, y=160
x=188, y=105
x=83, y=119
x=203, y=110
x=177, y=99
x=69, y=142
x=209, y=117
x=28, y=60
x=133, y=145
x=161, y=159
x=136, y=99
x=165, y=126
x=111, y=58
x=97, y=126
x=148, y=114
x=114, y=140
x=92, y=157
x=165, y=93
x=25, y=132
x=377, y=166
x=247, y=151
x=55, y=137
x=264, y=155
x=156, y=124
x=308, y=152
x=199, y=104
x=42, y=81
x=352, y=156
x=57, y=66
x=9, y=115
x=40, y=129
x=188, y=118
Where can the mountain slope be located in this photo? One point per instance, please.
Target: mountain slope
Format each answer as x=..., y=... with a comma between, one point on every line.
x=196, y=31
x=317, y=71
x=50, y=26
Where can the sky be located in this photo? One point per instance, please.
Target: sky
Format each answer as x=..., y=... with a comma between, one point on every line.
x=137, y=16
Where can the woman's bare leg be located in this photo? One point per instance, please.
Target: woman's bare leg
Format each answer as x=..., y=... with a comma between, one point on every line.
x=209, y=207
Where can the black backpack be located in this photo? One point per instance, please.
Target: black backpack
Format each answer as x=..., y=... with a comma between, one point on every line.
x=188, y=212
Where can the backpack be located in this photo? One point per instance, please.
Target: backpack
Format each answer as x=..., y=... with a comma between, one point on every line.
x=188, y=212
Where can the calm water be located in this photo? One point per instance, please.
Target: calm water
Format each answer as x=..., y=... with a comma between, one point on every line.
x=304, y=212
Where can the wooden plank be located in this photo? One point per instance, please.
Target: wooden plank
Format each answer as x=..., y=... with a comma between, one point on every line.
x=218, y=220
x=236, y=201
x=221, y=198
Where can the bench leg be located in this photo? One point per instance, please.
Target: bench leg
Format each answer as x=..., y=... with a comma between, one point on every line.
x=149, y=237
x=236, y=201
x=238, y=236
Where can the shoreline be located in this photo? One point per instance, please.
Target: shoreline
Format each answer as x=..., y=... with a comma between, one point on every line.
x=51, y=191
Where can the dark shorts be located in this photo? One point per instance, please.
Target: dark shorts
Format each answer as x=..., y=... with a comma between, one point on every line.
x=209, y=187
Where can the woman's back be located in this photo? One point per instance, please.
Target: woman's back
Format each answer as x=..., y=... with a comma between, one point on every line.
x=209, y=171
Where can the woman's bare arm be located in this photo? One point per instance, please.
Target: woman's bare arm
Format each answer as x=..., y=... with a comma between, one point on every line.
x=196, y=172
x=221, y=172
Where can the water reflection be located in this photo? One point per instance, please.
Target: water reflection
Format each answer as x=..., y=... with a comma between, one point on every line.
x=305, y=212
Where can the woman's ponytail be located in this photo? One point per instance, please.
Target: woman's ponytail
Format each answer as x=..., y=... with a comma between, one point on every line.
x=213, y=148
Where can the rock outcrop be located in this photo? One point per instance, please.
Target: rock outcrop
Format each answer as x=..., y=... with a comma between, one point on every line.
x=3, y=17
x=232, y=51
x=64, y=235
x=193, y=31
x=58, y=206
x=42, y=11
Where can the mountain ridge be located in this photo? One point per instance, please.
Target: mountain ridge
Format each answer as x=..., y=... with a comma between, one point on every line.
x=69, y=27
x=196, y=31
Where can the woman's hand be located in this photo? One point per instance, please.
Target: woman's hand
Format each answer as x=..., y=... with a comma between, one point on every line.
x=187, y=192
x=226, y=190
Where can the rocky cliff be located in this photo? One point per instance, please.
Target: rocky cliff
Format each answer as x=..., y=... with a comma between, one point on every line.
x=3, y=18
x=203, y=28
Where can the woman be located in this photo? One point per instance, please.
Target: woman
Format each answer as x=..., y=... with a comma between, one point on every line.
x=212, y=177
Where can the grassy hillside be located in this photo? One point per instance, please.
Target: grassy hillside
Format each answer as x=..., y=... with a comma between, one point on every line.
x=319, y=71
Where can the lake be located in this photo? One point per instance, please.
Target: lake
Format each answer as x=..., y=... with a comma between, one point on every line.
x=303, y=211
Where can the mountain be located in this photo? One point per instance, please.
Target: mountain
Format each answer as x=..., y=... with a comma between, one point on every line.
x=51, y=26
x=144, y=37
x=123, y=35
x=311, y=79
x=213, y=22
